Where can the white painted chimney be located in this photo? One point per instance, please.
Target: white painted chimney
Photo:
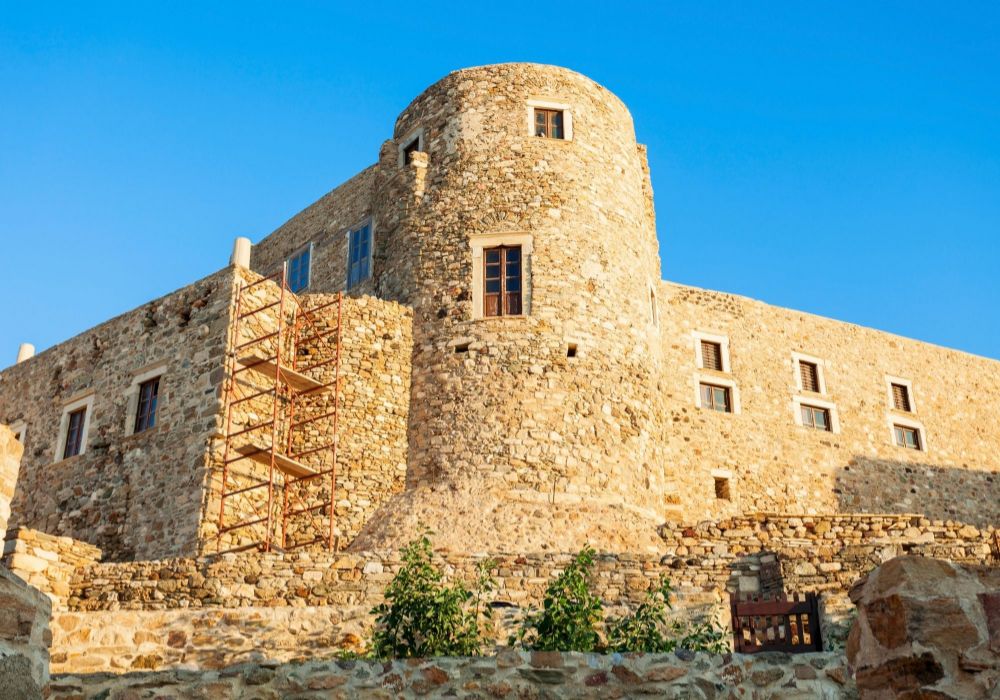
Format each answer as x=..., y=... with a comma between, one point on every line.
x=241, y=252
x=25, y=352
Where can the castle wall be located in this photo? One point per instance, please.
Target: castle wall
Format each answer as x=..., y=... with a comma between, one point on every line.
x=134, y=496
x=325, y=224
x=777, y=465
x=10, y=462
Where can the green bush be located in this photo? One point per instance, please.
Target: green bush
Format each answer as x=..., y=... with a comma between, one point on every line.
x=647, y=629
x=570, y=612
x=422, y=617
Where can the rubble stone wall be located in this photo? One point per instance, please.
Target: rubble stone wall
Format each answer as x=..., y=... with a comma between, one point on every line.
x=46, y=562
x=773, y=464
x=24, y=638
x=10, y=462
x=510, y=674
x=132, y=495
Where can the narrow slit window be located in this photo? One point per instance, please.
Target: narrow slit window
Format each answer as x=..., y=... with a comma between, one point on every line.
x=145, y=413
x=717, y=398
x=502, y=277
x=74, y=433
x=359, y=255
x=571, y=350
x=907, y=437
x=901, y=398
x=549, y=123
x=299, y=269
x=711, y=355
x=816, y=417
x=461, y=347
x=810, y=376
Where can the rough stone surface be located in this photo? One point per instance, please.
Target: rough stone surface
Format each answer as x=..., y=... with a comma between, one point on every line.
x=10, y=461
x=924, y=630
x=510, y=675
x=24, y=637
x=45, y=562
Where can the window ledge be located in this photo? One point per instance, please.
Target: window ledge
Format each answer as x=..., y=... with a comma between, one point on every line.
x=67, y=460
x=148, y=432
x=499, y=319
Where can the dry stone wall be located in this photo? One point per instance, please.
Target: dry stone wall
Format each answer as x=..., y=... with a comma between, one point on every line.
x=775, y=465
x=132, y=495
x=47, y=563
x=509, y=674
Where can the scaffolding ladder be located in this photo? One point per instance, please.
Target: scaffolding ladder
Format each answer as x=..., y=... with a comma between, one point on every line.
x=270, y=354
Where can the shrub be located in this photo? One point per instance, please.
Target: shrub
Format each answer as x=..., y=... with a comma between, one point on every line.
x=570, y=612
x=648, y=630
x=422, y=617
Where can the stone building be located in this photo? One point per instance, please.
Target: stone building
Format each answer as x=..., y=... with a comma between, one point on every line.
x=507, y=367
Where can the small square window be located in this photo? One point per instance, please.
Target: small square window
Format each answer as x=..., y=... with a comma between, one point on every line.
x=711, y=355
x=549, y=123
x=816, y=417
x=901, y=397
x=74, y=433
x=409, y=149
x=298, y=269
x=716, y=398
x=359, y=255
x=145, y=413
x=907, y=437
x=722, y=489
x=809, y=372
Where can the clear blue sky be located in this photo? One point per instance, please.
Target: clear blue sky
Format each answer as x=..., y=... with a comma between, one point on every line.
x=840, y=158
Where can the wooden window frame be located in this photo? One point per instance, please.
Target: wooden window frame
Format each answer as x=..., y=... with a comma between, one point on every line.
x=811, y=410
x=715, y=354
x=721, y=340
x=82, y=404
x=359, y=270
x=294, y=277
x=550, y=117
x=503, y=302
x=901, y=397
x=148, y=402
x=809, y=375
x=75, y=427
x=899, y=432
x=798, y=360
x=712, y=405
x=550, y=106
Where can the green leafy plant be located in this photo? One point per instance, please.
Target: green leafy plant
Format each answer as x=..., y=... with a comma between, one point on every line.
x=570, y=612
x=422, y=617
x=648, y=630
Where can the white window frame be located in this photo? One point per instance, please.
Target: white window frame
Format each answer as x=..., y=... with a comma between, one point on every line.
x=415, y=135
x=722, y=340
x=154, y=371
x=370, y=223
x=908, y=383
x=480, y=242
x=897, y=418
x=717, y=380
x=20, y=430
x=799, y=401
x=308, y=247
x=797, y=358
x=549, y=104
x=85, y=400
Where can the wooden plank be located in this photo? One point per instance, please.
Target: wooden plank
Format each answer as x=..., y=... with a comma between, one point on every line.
x=296, y=380
x=285, y=464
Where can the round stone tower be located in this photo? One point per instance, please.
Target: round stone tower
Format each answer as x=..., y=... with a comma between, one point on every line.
x=539, y=428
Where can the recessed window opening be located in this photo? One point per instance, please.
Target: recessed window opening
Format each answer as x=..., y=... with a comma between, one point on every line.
x=74, y=433
x=717, y=398
x=571, y=350
x=816, y=417
x=409, y=149
x=907, y=437
x=20, y=429
x=549, y=123
x=299, y=266
x=462, y=347
x=722, y=489
x=711, y=355
x=901, y=397
x=502, y=281
x=810, y=376
x=359, y=255
x=145, y=413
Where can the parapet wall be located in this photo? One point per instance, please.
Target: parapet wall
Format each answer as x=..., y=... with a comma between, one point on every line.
x=46, y=562
x=776, y=465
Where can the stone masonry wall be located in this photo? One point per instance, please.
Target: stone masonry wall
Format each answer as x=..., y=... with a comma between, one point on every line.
x=24, y=638
x=134, y=496
x=776, y=465
x=10, y=462
x=510, y=674
x=46, y=562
